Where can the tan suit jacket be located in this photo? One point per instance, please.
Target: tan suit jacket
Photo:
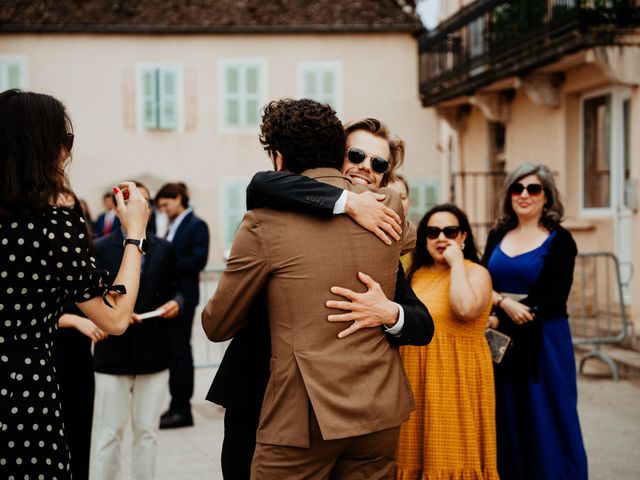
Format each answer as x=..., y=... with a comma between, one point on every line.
x=355, y=385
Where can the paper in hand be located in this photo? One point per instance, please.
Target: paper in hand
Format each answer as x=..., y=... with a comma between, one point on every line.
x=151, y=314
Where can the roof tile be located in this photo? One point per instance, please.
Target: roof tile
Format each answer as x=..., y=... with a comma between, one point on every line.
x=208, y=15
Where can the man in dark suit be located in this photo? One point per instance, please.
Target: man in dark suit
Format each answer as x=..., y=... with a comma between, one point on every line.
x=132, y=369
x=107, y=221
x=190, y=238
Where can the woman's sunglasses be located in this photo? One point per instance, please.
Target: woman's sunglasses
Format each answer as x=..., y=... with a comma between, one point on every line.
x=534, y=189
x=378, y=164
x=451, y=232
x=67, y=141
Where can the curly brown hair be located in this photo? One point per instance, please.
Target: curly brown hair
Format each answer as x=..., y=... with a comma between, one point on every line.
x=308, y=134
x=396, y=145
x=34, y=129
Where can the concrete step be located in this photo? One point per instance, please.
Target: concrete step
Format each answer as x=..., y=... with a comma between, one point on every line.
x=610, y=360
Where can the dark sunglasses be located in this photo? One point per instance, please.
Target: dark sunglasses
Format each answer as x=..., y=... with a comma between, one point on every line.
x=450, y=232
x=378, y=164
x=517, y=188
x=67, y=142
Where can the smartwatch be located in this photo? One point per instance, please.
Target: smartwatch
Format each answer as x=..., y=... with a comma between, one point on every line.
x=142, y=244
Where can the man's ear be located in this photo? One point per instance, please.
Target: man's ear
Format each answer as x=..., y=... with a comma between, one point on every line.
x=279, y=162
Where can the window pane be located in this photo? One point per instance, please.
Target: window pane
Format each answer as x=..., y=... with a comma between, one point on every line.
x=233, y=80
x=252, y=112
x=597, y=165
x=476, y=37
x=233, y=113
x=328, y=83
x=310, y=87
x=252, y=80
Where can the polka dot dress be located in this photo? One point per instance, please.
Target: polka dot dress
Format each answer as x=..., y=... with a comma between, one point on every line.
x=43, y=260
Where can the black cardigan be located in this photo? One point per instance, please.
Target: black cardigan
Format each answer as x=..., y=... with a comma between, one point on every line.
x=547, y=297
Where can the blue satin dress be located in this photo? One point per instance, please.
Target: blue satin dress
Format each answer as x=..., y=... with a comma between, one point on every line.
x=537, y=424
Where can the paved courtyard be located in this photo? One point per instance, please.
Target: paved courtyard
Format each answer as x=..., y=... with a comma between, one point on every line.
x=609, y=413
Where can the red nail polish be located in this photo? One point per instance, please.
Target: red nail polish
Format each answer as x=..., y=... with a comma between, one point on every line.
x=116, y=189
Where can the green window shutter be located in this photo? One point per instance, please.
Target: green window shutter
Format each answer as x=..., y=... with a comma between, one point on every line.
x=232, y=92
x=252, y=112
x=150, y=98
x=242, y=94
x=168, y=98
x=432, y=194
x=252, y=94
x=11, y=74
x=328, y=88
x=424, y=194
x=233, y=80
x=251, y=74
x=319, y=81
x=309, y=87
x=233, y=112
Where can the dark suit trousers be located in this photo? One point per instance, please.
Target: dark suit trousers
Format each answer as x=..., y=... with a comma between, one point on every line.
x=181, y=371
x=240, y=426
x=365, y=457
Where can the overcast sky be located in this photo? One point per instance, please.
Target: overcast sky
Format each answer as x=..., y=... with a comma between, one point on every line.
x=428, y=11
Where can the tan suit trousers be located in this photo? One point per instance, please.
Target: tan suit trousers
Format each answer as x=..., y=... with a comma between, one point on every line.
x=365, y=457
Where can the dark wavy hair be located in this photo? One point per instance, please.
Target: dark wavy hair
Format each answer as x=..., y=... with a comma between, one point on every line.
x=34, y=128
x=172, y=190
x=308, y=134
x=553, y=210
x=396, y=145
x=421, y=256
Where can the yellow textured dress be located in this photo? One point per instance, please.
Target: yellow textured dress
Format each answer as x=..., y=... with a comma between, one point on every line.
x=451, y=435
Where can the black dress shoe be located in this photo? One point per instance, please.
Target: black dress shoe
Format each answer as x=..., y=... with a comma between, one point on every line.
x=175, y=420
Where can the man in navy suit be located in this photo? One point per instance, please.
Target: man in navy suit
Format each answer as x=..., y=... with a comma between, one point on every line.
x=132, y=369
x=107, y=221
x=190, y=238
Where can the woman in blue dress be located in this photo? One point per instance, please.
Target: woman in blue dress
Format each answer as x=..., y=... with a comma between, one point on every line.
x=531, y=260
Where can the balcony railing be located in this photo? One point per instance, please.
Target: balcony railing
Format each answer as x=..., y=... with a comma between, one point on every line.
x=489, y=40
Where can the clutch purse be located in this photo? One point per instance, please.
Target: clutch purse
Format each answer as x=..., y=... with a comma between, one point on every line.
x=498, y=343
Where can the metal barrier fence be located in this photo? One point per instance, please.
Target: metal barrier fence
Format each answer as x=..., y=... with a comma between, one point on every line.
x=596, y=306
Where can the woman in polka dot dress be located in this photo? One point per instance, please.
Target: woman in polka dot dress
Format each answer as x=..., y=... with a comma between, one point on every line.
x=45, y=260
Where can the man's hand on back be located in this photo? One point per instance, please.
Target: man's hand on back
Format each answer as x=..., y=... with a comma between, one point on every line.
x=367, y=211
x=366, y=310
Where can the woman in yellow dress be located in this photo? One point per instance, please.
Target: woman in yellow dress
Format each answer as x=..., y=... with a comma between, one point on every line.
x=451, y=434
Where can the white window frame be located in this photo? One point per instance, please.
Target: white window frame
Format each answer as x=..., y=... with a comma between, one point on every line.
x=179, y=75
x=618, y=95
x=241, y=63
x=224, y=184
x=21, y=61
x=335, y=67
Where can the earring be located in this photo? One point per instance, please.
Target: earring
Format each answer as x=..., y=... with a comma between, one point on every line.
x=462, y=246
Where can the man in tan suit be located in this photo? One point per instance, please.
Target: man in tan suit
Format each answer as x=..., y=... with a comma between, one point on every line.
x=333, y=406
